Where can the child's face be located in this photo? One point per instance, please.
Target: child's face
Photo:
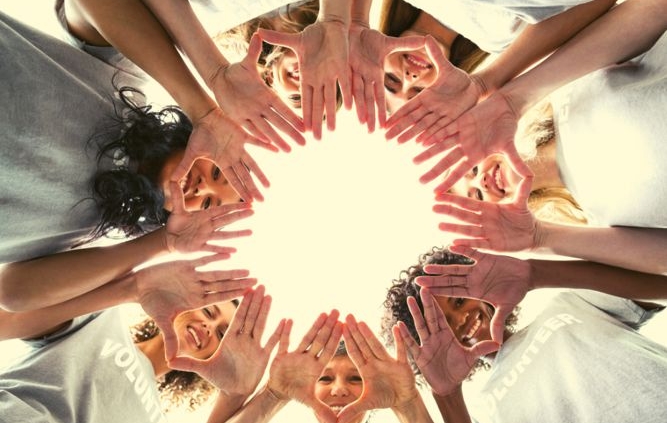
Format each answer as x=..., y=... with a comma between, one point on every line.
x=339, y=384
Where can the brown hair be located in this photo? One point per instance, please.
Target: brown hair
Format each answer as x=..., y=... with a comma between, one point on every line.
x=397, y=16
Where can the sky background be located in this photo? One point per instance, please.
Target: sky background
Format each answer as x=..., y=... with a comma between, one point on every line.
x=342, y=218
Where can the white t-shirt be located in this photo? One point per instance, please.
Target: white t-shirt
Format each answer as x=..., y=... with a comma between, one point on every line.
x=581, y=360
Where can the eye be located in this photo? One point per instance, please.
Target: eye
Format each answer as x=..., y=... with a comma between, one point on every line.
x=356, y=379
x=207, y=312
x=295, y=99
x=475, y=171
x=390, y=81
x=220, y=332
x=458, y=302
x=216, y=173
x=206, y=203
x=479, y=195
x=325, y=379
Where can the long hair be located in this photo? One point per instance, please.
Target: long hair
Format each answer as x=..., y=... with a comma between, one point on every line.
x=396, y=306
x=397, y=16
x=176, y=387
x=129, y=197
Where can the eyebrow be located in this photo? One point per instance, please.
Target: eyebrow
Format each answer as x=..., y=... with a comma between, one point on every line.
x=216, y=310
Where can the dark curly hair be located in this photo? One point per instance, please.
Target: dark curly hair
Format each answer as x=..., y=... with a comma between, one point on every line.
x=128, y=197
x=396, y=306
x=176, y=387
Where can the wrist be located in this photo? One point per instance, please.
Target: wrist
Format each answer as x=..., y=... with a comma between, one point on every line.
x=274, y=396
x=481, y=86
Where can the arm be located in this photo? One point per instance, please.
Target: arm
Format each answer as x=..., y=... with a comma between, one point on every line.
x=453, y=407
x=537, y=41
x=640, y=249
x=260, y=409
x=630, y=28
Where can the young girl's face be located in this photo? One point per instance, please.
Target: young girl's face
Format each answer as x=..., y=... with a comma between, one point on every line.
x=203, y=187
x=200, y=331
x=285, y=79
x=339, y=384
x=470, y=319
x=492, y=179
x=406, y=74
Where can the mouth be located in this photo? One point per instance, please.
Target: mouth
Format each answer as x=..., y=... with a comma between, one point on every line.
x=336, y=408
x=472, y=328
x=186, y=183
x=294, y=74
x=497, y=181
x=194, y=337
x=416, y=63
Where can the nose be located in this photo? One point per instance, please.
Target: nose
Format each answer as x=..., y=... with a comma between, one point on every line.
x=457, y=320
x=202, y=187
x=410, y=74
x=339, y=389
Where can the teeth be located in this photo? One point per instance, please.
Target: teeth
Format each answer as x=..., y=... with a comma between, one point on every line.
x=416, y=62
x=499, y=181
x=473, y=329
x=336, y=408
x=194, y=335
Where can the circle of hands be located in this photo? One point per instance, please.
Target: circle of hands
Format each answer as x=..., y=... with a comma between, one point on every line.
x=453, y=122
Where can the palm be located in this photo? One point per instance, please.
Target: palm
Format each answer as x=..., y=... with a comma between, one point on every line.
x=294, y=375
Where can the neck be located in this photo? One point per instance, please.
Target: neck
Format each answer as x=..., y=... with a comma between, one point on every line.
x=545, y=167
x=428, y=25
x=153, y=349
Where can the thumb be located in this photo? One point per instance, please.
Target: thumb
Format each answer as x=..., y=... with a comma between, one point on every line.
x=438, y=57
x=483, y=348
x=170, y=340
x=523, y=190
x=464, y=250
x=278, y=38
x=498, y=323
x=254, y=49
x=177, y=199
x=412, y=42
x=184, y=363
x=184, y=166
x=350, y=411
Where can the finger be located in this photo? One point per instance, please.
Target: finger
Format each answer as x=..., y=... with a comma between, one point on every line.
x=412, y=42
x=461, y=201
x=181, y=171
x=254, y=168
x=283, y=344
x=411, y=345
x=355, y=334
x=498, y=323
x=426, y=122
x=359, y=97
x=184, y=363
x=223, y=235
x=434, y=51
x=261, y=316
x=236, y=184
x=279, y=38
x=331, y=345
x=283, y=118
x=429, y=303
x=448, y=162
x=239, y=317
x=433, y=134
x=405, y=117
x=275, y=336
x=269, y=133
x=224, y=296
x=323, y=413
x=177, y=199
x=523, y=191
x=246, y=179
x=203, y=261
x=483, y=243
x=468, y=252
x=325, y=334
x=307, y=106
x=330, y=105
x=433, y=151
x=345, y=84
x=352, y=348
x=352, y=411
x=309, y=337
x=317, y=115
x=456, y=172
x=442, y=285
x=418, y=319
x=170, y=339
x=224, y=252
x=369, y=100
x=484, y=348
x=373, y=342
x=517, y=163
x=445, y=131
x=466, y=230
x=466, y=216
x=380, y=102
x=220, y=220
x=223, y=275
x=401, y=352
x=448, y=269
x=250, y=318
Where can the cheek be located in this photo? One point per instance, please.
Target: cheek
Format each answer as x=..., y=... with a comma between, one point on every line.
x=356, y=390
x=321, y=391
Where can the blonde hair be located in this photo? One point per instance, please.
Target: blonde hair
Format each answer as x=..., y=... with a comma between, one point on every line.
x=554, y=204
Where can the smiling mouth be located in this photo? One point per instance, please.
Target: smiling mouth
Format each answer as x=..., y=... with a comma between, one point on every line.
x=337, y=408
x=195, y=336
x=186, y=183
x=417, y=61
x=295, y=75
x=498, y=181
x=473, y=328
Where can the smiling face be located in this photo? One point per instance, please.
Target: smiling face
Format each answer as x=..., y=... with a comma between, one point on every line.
x=470, y=319
x=339, y=384
x=493, y=179
x=203, y=187
x=406, y=74
x=200, y=331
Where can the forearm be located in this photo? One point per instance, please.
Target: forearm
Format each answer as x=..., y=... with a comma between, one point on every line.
x=453, y=407
x=641, y=249
x=537, y=41
x=225, y=407
x=39, y=322
x=620, y=34
x=413, y=412
x=335, y=10
x=53, y=279
x=132, y=29
x=361, y=10
x=260, y=409
x=599, y=277
x=178, y=18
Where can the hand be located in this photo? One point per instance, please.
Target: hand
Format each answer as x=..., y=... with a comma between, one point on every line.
x=487, y=128
x=443, y=361
x=499, y=227
x=238, y=364
x=499, y=280
x=217, y=138
x=322, y=51
x=187, y=232
x=168, y=289
x=388, y=382
x=293, y=374
x=368, y=48
x=452, y=93
x=246, y=99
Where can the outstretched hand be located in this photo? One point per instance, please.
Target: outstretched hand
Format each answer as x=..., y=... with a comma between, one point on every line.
x=443, y=361
x=293, y=375
x=238, y=364
x=322, y=51
x=499, y=227
x=217, y=138
x=452, y=93
x=487, y=128
x=388, y=381
x=188, y=232
x=499, y=280
x=246, y=99
x=168, y=289
x=368, y=48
